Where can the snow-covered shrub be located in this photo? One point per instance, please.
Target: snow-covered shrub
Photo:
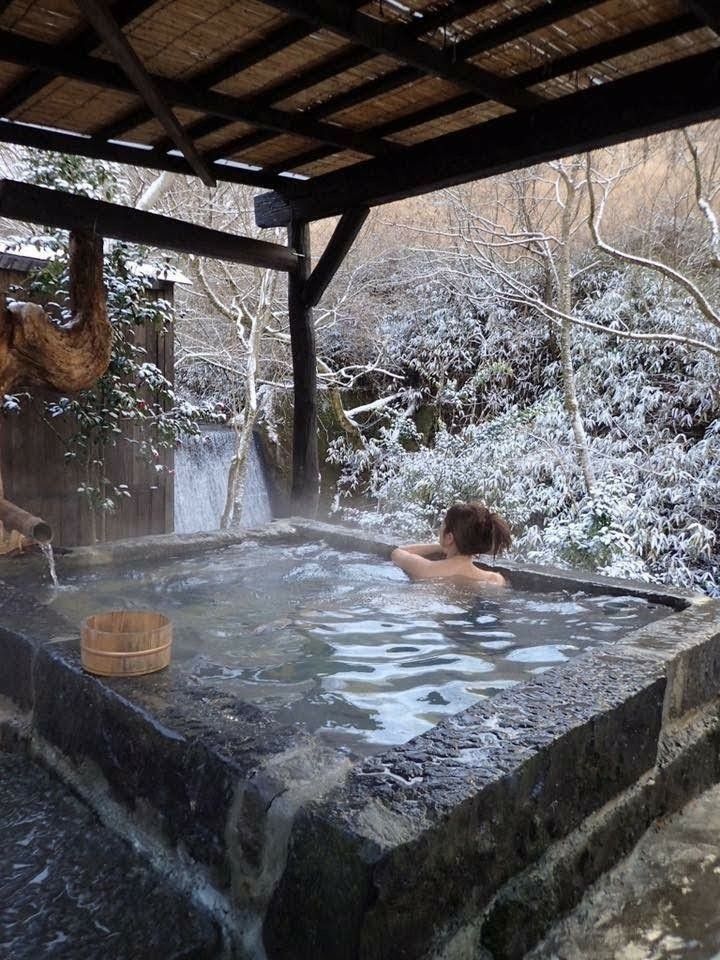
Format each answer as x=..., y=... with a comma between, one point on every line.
x=491, y=374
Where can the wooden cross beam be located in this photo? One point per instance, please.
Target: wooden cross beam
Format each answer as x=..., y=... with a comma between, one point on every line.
x=106, y=27
x=54, y=208
x=578, y=60
x=229, y=66
x=79, y=45
x=330, y=67
x=518, y=25
x=102, y=73
x=43, y=139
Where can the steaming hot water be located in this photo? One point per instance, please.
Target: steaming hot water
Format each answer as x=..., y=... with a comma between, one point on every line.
x=342, y=643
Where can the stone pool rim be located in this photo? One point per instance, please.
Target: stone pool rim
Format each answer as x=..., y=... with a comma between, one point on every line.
x=495, y=802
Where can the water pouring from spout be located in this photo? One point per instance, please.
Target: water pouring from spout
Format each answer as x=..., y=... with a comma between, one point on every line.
x=13, y=517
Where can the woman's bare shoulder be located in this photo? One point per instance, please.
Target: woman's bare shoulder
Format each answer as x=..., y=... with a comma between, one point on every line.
x=491, y=577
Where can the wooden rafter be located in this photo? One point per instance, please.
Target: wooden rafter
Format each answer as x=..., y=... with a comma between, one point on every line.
x=682, y=92
x=83, y=43
x=43, y=139
x=68, y=211
x=581, y=59
x=522, y=24
x=99, y=15
x=330, y=67
x=387, y=38
x=102, y=73
x=401, y=76
x=346, y=60
x=229, y=66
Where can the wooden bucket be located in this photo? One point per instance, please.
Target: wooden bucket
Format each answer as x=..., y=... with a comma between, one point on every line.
x=125, y=643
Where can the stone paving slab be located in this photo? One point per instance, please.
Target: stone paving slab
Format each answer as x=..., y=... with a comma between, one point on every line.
x=662, y=902
x=69, y=888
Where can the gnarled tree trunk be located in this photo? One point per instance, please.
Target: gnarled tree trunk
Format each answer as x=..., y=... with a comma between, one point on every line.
x=69, y=356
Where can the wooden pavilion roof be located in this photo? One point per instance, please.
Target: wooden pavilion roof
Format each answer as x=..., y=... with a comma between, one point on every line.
x=338, y=104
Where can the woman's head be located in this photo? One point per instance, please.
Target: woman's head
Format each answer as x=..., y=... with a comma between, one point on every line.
x=475, y=529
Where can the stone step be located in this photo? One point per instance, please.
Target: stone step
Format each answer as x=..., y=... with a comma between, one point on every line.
x=662, y=901
x=69, y=888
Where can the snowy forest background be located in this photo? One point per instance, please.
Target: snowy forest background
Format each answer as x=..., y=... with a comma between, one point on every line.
x=546, y=341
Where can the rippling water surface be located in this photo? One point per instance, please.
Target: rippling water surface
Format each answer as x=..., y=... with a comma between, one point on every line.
x=343, y=643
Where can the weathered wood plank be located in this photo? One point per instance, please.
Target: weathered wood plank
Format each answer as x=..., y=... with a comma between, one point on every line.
x=108, y=30
x=54, y=208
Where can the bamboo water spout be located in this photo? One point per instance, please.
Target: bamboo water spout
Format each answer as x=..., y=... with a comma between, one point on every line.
x=13, y=517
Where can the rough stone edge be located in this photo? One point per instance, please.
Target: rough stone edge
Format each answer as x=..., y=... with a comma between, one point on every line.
x=688, y=657
x=274, y=790
x=165, y=546
x=525, y=908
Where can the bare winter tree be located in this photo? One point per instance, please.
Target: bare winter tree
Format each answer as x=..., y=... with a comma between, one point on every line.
x=528, y=230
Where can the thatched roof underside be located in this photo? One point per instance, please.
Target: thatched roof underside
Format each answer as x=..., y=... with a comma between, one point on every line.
x=267, y=89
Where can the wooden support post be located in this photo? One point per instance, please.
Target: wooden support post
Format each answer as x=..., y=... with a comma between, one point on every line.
x=305, y=467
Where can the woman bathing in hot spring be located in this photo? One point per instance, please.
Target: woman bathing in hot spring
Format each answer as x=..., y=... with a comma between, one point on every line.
x=468, y=529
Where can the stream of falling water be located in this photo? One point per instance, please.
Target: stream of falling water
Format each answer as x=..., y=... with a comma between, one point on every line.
x=47, y=552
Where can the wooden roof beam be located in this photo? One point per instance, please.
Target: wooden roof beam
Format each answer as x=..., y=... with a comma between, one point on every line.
x=330, y=67
x=522, y=24
x=80, y=45
x=517, y=26
x=69, y=211
x=672, y=95
x=99, y=15
x=229, y=66
x=389, y=38
x=43, y=139
x=94, y=70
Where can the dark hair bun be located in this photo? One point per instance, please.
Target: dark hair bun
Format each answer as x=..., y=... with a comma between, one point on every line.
x=477, y=529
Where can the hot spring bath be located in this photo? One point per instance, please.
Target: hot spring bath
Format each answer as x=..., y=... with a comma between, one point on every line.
x=341, y=764
x=342, y=643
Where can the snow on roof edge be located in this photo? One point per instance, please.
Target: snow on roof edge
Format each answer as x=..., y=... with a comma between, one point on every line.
x=32, y=253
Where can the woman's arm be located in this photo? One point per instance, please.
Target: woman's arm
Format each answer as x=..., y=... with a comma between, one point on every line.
x=423, y=549
x=418, y=568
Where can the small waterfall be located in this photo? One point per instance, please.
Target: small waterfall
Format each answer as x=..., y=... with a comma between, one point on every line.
x=201, y=475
